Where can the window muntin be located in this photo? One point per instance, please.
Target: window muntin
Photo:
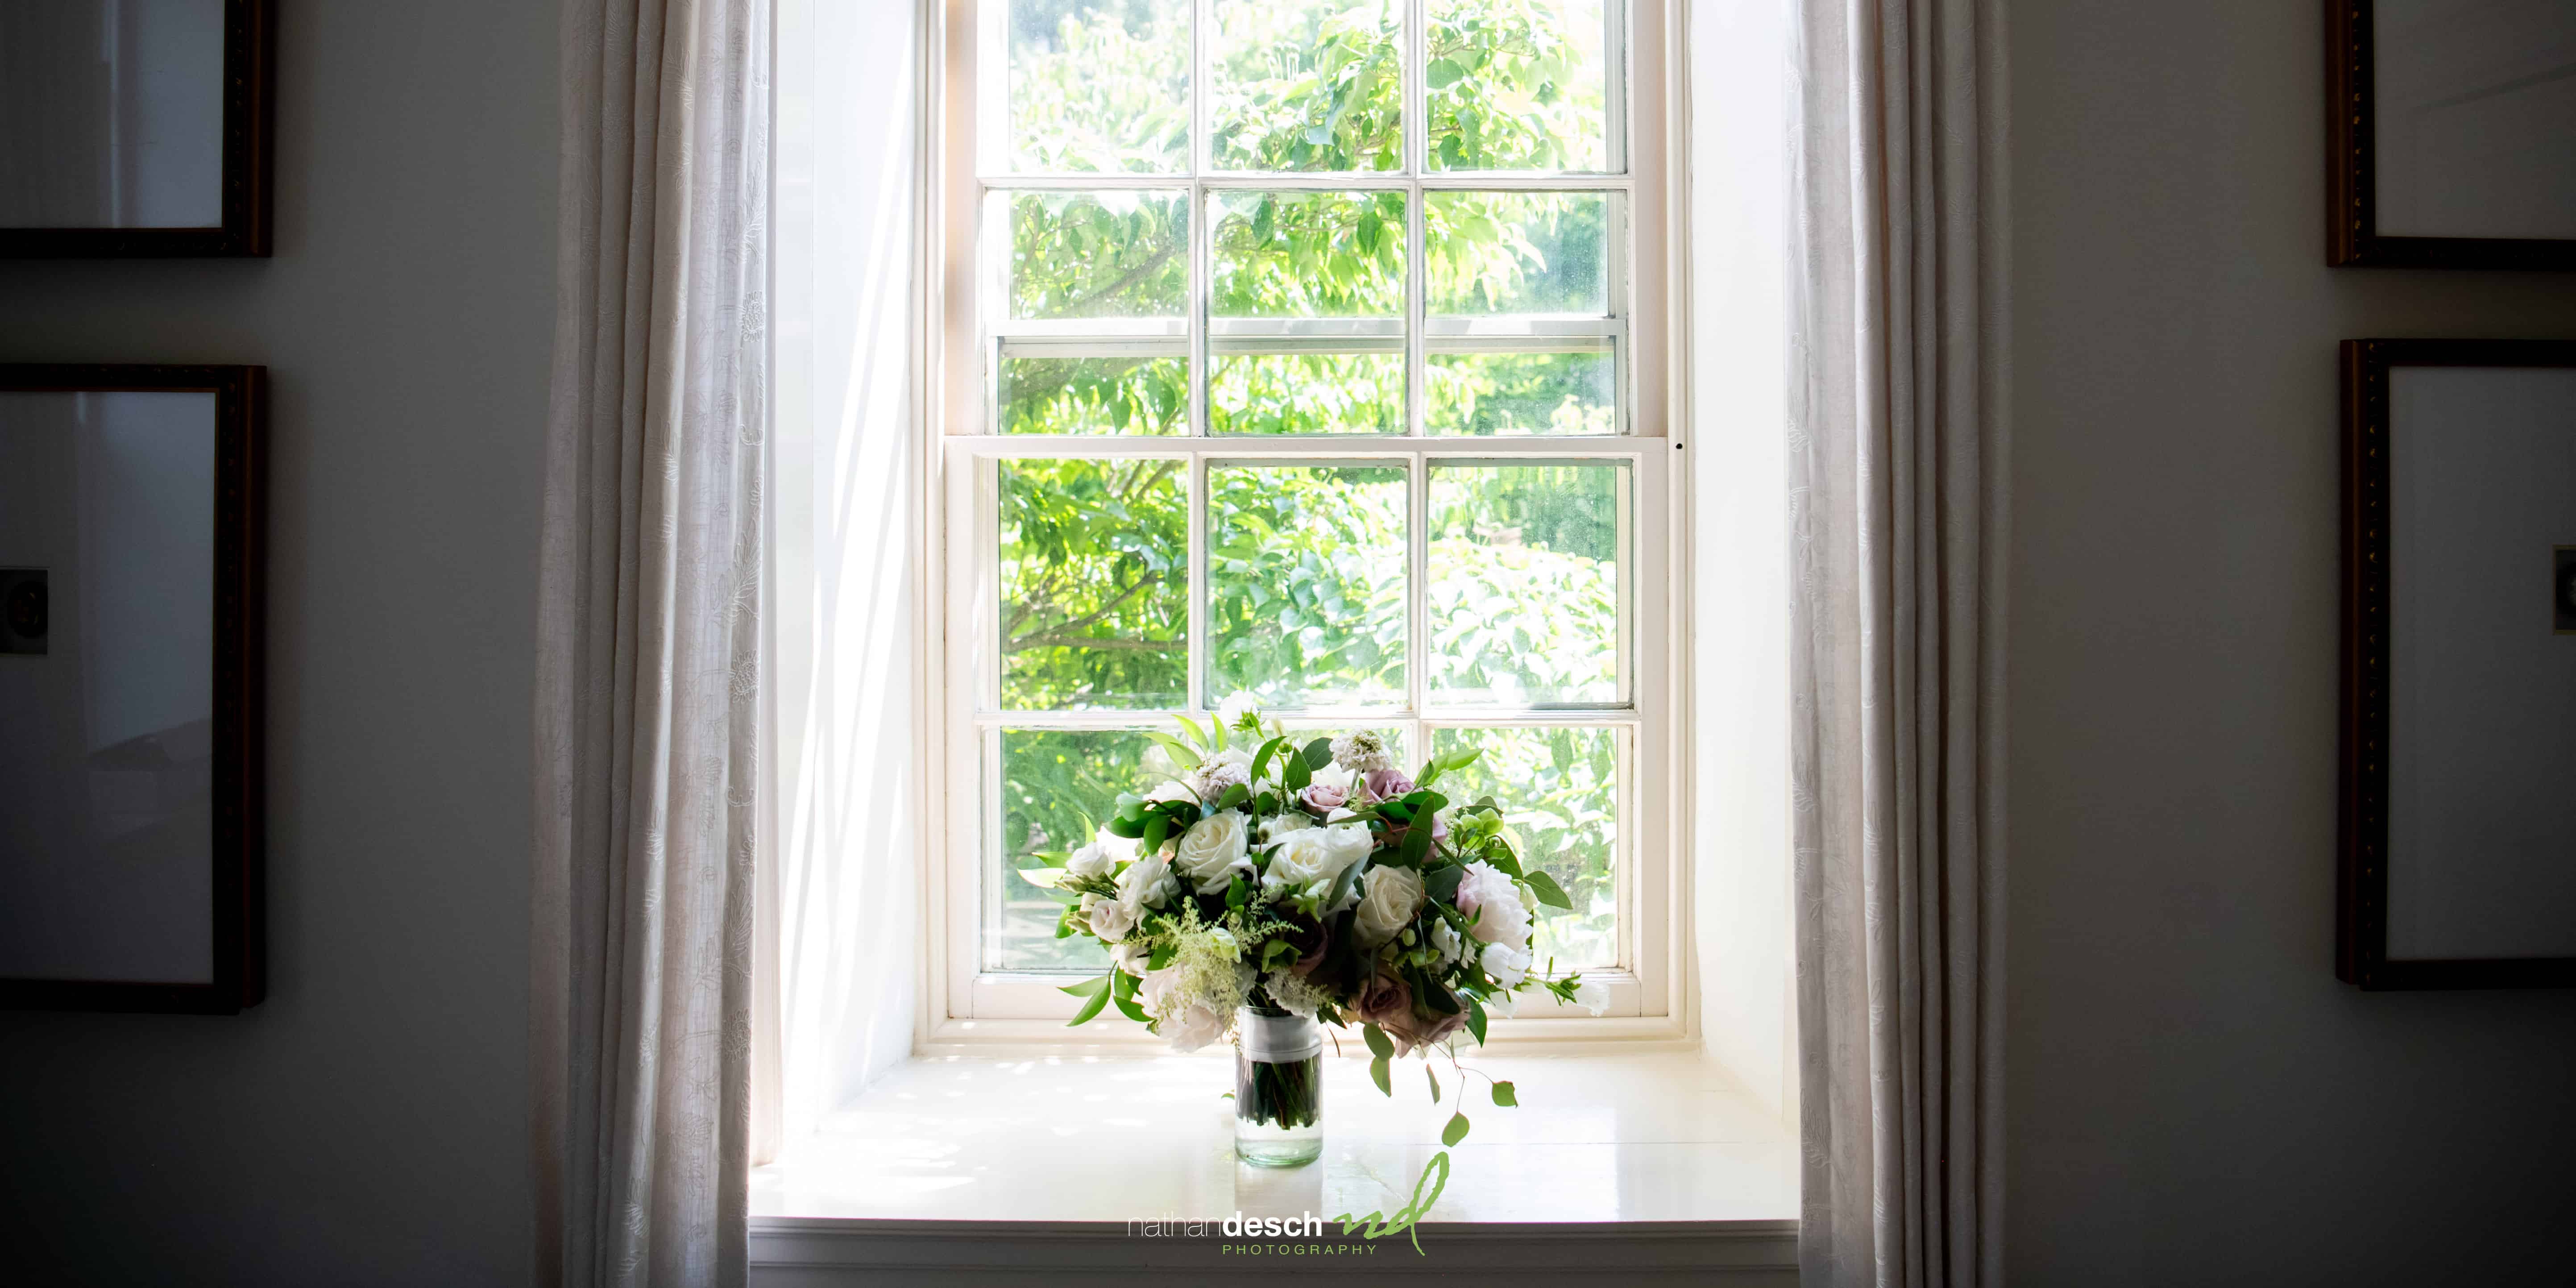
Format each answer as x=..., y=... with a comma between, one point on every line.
x=1395, y=294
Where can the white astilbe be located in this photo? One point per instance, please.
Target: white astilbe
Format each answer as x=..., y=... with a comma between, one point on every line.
x=1194, y=998
x=1295, y=994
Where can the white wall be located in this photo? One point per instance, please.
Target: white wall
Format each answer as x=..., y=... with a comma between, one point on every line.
x=2193, y=1098
x=366, y=1124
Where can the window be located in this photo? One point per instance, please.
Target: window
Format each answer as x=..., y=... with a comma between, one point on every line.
x=1307, y=349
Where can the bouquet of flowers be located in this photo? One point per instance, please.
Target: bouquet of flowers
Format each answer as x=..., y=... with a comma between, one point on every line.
x=1314, y=881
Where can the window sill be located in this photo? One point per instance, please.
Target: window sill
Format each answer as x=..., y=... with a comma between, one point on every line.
x=1658, y=1139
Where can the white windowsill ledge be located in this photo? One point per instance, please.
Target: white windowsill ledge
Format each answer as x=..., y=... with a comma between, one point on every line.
x=1655, y=1139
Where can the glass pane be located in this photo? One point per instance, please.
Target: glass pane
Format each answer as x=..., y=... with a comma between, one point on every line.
x=1559, y=792
x=1095, y=395
x=1098, y=254
x=1306, y=393
x=1308, y=254
x=1516, y=252
x=1099, y=85
x=1523, y=607
x=1307, y=85
x=1517, y=84
x=1306, y=569
x=1056, y=786
x=1095, y=584
x=1523, y=393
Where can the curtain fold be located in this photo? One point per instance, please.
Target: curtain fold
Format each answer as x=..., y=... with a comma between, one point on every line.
x=648, y=646
x=1898, y=520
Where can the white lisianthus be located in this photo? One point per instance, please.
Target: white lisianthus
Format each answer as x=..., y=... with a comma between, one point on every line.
x=1509, y=964
x=1592, y=995
x=1308, y=862
x=1093, y=860
x=1147, y=883
x=1130, y=958
x=1230, y=713
x=1391, y=897
x=1360, y=751
x=1279, y=825
x=1506, y=1005
x=1173, y=790
x=1445, y=941
x=1110, y=919
x=1494, y=904
x=1192, y=1027
x=1214, y=849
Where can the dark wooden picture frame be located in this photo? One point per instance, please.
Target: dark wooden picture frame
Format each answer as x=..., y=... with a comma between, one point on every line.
x=2353, y=239
x=240, y=615
x=2361, y=885
x=249, y=166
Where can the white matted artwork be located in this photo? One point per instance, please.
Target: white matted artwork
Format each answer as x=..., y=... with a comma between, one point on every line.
x=2454, y=133
x=127, y=797
x=2460, y=821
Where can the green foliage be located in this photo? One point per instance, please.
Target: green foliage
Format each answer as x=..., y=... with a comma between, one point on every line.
x=1305, y=86
x=1306, y=568
x=1094, y=583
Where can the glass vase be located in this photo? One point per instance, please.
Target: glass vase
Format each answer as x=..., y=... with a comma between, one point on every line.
x=1278, y=1088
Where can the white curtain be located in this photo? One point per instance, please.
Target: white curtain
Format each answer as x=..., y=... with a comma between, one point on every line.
x=648, y=652
x=1897, y=520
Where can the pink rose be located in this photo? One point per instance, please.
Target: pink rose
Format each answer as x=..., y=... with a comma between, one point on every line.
x=1326, y=797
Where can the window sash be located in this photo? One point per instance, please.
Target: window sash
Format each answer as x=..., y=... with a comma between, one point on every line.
x=973, y=1005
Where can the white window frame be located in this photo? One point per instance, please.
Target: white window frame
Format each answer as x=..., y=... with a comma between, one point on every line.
x=968, y=1008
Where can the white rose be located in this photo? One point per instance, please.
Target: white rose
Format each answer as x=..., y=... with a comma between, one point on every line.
x=1494, y=904
x=1393, y=896
x=1147, y=883
x=1309, y=861
x=1444, y=940
x=1110, y=919
x=1507, y=963
x=1592, y=995
x=1212, y=851
x=1279, y=825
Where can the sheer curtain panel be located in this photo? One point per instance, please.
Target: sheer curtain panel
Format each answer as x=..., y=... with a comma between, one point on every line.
x=648, y=663
x=1897, y=520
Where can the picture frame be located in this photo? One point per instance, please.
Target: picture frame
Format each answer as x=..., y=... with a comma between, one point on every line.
x=125, y=131
x=2451, y=134
x=137, y=757
x=2456, y=678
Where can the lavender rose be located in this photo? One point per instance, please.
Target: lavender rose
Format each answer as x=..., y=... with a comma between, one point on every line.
x=1387, y=784
x=1326, y=796
x=1387, y=1002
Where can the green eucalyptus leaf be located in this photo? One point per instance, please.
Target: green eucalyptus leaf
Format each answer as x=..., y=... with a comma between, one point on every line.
x=1434, y=1076
x=1379, y=1044
x=1505, y=1096
x=1378, y=1074
x=1319, y=753
x=1476, y=1020
x=1456, y=1130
